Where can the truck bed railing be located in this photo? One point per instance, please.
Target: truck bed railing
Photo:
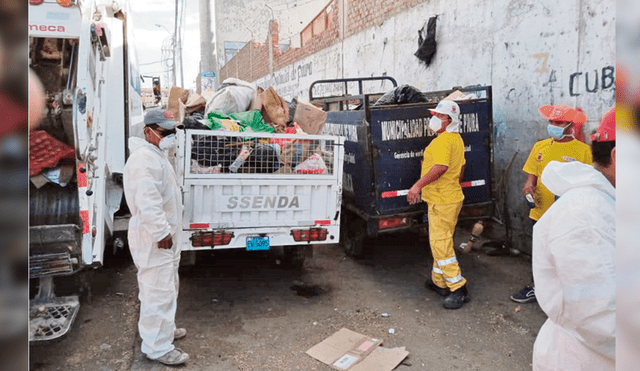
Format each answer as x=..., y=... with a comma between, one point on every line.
x=225, y=153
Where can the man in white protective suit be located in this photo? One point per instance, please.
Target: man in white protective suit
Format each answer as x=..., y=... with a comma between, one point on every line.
x=574, y=260
x=154, y=198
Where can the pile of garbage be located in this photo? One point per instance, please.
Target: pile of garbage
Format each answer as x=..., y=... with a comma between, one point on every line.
x=240, y=106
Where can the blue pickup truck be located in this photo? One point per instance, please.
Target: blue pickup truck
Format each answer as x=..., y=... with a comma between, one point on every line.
x=384, y=145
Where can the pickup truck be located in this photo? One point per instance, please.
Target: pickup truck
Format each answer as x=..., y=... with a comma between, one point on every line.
x=258, y=191
x=383, y=154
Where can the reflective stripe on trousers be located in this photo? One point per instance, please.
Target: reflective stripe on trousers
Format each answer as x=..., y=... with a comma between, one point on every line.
x=442, y=224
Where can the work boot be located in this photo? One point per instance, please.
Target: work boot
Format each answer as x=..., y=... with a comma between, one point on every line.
x=174, y=357
x=457, y=298
x=179, y=333
x=442, y=291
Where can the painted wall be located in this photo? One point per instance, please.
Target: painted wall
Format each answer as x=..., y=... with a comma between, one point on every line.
x=531, y=53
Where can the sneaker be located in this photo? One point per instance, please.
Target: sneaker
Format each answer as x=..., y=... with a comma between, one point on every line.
x=457, y=298
x=179, y=333
x=439, y=290
x=526, y=295
x=174, y=357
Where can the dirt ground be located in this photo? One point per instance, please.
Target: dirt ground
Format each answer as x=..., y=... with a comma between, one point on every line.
x=247, y=311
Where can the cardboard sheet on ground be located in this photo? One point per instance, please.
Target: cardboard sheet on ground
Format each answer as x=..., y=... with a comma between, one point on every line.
x=349, y=350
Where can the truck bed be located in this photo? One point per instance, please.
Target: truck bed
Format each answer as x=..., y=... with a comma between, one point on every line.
x=274, y=193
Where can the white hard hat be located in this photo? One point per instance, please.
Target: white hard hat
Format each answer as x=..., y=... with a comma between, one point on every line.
x=451, y=108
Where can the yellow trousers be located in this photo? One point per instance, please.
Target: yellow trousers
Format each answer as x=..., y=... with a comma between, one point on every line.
x=442, y=223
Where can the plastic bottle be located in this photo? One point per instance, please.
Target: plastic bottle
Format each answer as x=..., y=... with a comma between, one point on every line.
x=242, y=157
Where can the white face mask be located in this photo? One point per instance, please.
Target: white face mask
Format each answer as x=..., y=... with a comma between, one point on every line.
x=167, y=142
x=435, y=123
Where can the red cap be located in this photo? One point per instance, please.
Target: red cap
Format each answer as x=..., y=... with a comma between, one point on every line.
x=607, y=129
x=562, y=112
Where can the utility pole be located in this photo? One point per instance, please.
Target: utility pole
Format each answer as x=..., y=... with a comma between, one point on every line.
x=208, y=34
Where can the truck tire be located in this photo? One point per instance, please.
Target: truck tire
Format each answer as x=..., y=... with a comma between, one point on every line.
x=295, y=256
x=353, y=237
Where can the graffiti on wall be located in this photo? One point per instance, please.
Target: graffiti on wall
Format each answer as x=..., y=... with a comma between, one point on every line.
x=592, y=81
x=291, y=80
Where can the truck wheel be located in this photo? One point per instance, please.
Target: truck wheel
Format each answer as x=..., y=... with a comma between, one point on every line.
x=353, y=237
x=295, y=256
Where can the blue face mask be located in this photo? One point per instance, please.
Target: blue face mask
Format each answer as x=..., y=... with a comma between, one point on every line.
x=556, y=132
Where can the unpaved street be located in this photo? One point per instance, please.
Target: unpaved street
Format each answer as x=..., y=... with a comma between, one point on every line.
x=249, y=312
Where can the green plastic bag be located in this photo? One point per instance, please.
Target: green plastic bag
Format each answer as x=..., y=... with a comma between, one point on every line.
x=249, y=121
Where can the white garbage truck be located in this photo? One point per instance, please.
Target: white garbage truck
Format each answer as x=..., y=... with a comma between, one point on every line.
x=82, y=51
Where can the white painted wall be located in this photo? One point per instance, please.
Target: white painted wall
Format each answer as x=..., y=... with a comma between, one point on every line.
x=529, y=51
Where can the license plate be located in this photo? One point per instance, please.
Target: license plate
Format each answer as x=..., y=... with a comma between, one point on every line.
x=258, y=243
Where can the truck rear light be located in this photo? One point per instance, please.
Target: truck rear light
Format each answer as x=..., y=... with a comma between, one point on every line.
x=393, y=222
x=211, y=238
x=322, y=222
x=313, y=234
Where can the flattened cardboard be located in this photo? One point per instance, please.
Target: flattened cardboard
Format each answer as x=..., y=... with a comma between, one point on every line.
x=349, y=350
x=343, y=349
x=310, y=118
x=381, y=359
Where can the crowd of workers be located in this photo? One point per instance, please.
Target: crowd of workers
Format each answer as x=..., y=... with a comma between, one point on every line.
x=572, y=187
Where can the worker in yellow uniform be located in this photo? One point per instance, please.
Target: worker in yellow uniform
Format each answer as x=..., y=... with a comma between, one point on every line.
x=560, y=146
x=439, y=186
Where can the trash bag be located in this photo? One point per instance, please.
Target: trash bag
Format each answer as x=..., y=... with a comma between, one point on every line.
x=209, y=150
x=402, y=94
x=265, y=158
x=194, y=121
x=427, y=42
x=234, y=95
x=249, y=121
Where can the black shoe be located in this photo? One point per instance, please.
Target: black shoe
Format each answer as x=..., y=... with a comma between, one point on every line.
x=457, y=298
x=439, y=290
x=526, y=295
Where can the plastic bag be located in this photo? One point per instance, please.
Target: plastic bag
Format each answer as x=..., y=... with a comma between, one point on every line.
x=234, y=95
x=402, y=94
x=249, y=121
x=312, y=165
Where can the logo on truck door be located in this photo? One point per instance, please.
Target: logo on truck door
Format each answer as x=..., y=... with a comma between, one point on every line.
x=265, y=203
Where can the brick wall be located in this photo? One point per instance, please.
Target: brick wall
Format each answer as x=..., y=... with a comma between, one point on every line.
x=252, y=62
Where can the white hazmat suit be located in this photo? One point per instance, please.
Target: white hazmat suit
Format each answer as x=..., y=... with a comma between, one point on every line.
x=574, y=258
x=154, y=198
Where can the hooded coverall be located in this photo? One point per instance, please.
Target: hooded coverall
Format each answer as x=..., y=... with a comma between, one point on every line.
x=154, y=198
x=574, y=257
x=444, y=201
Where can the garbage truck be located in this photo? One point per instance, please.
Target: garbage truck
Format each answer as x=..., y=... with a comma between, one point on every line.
x=386, y=130
x=82, y=51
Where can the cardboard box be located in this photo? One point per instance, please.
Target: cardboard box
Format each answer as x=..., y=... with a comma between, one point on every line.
x=310, y=118
x=349, y=350
x=456, y=95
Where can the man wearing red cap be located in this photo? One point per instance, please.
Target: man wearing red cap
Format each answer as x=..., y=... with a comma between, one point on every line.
x=574, y=260
x=561, y=146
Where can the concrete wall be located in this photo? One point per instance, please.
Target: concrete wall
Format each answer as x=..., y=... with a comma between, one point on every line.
x=531, y=52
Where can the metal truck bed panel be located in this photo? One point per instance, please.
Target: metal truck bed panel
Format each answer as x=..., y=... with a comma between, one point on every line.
x=384, y=149
x=240, y=203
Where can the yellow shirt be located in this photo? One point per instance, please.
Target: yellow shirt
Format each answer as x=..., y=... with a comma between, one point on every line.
x=541, y=154
x=446, y=149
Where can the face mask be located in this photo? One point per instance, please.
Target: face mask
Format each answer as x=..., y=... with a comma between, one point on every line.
x=167, y=142
x=556, y=132
x=435, y=123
